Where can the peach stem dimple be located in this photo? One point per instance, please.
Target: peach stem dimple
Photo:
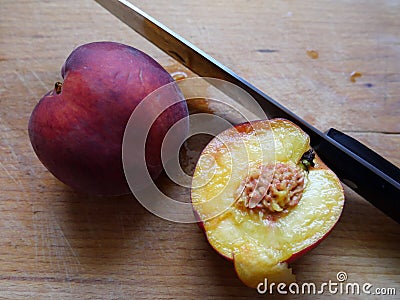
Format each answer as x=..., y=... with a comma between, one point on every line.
x=58, y=87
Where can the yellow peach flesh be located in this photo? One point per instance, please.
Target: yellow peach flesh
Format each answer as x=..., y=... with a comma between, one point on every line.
x=260, y=246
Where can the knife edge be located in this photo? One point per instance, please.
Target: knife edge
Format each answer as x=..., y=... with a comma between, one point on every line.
x=369, y=181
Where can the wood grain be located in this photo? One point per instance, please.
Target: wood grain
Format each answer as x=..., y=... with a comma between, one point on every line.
x=56, y=244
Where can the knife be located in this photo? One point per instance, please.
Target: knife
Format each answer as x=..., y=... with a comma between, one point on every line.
x=363, y=170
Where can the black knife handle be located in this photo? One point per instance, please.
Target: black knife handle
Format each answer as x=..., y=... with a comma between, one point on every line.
x=365, y=153
x=373, y=177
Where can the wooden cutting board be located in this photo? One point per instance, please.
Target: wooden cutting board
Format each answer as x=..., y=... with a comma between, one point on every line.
x=57, y=244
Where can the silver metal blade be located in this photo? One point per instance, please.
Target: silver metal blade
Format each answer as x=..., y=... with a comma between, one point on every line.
x=190, y=56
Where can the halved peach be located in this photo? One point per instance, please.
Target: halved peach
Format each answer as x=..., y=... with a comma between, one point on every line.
x=264, y=198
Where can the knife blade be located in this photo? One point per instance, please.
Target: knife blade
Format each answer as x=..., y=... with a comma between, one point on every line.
x=368, y=178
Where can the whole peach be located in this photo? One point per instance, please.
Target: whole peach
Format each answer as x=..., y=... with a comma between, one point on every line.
x=77, y=129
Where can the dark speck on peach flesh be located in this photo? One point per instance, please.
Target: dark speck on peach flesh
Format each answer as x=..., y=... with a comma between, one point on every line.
x=243, y=128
